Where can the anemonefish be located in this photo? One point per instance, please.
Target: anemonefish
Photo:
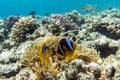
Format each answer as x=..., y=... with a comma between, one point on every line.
x=44, y=54
x=65, y=48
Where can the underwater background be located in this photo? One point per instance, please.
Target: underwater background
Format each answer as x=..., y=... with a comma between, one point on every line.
x=45, y=7
x=59, y=39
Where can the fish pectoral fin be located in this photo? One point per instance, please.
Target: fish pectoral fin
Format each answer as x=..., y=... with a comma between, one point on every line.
x=44, y=48
x=71, y=56
x=68, y=57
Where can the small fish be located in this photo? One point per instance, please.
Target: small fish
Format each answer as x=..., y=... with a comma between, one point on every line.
x=110, y=8
x=44, y=54
x=44, y=48
x=64, y=44
x=32, y=13
x=46, y=14
x=89, y=8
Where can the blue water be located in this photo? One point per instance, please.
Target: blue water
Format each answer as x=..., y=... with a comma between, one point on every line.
x=42, y=7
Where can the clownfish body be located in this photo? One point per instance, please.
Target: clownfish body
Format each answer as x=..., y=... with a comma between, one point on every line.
x=61, y=47
x=44, y=54
x=64, y=44
x=65, y=49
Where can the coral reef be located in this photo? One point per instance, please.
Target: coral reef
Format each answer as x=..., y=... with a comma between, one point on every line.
x=67, y=46
x=9, y=60
x=58, y=23
x=107, y=25
x=75, y=17
x=113, y=12
x=44, y=63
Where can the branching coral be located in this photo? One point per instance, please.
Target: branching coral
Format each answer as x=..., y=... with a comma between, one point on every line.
x=23, y=29
x=109, y=26
x=58, y=23
x=75, y=17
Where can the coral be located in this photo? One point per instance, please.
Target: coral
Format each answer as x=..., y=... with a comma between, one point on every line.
x=117, y=76
x=108, y=26
x=47, y=76
x=111, y=13
x=10, y=21
x=110, y=70
x=25, y=74
x=36, y=60
x=62, y=76
x=78, y=69
x=3, y=31
x=4, y=36
x=23, y=29
x=99, y=32
x=95, y=69
x=75, y=17
x=112, y=27
x=9, y=70
x=5, y=56
x=58, y=23
x=9, y=60
x=85, y=48
x=40, y=31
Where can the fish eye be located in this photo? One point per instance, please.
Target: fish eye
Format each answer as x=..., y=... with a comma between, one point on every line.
x=63, y=45
x=44, y=48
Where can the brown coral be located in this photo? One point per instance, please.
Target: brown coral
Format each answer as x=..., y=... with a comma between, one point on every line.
x=23, y=29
